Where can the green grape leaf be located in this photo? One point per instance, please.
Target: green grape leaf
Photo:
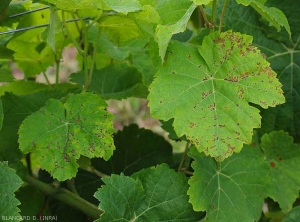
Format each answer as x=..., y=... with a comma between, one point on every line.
x=1, y=114
x=174, y=16
x=124, y=6
x=59, y=133
x=6, y=76
x=16, y=109
x=153, y=194
x=201, y=2
x=135, y=149
x=118, y=81
x=29, y=59
x=273, y=15
x=293, y=215
x=208, y=94
x=5, y=53
x=284, y=160
x=282, y=53
x=75, y=4
x=233, y=190
x=10, y=182
x=55, y=26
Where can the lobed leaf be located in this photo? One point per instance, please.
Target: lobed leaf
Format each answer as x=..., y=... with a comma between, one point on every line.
x=273, y=15
x=293, y=215
x=59, y=133
x=207, y=92
x=233, y=190
x=10, y=182
x=153, y=194
x=284, y=160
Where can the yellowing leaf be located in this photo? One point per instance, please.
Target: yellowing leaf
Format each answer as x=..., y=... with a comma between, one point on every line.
x=59, y=133
x=208, y=93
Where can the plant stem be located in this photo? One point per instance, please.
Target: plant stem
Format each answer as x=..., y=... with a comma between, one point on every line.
x=47, y=80
x=94, y=55
x=65, y=196
x=223, y=14
x=208, y=24
x=187, y=146
x=214, y=13
x=70, y=34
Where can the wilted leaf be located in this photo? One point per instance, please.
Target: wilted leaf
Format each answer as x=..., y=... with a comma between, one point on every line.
x=231, y=191
x=208, y=94
x=284, y=160
x=59, y=133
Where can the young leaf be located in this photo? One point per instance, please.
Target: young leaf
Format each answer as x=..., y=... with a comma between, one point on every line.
x=6, y=75
x=75, y=4
x=174, y=18
x=231, y=191
x=59, y=133
x=124, y=6
x=284, y=160
x=135, y=149
x=115, y=82
x=155, y=194
x=208, y=94
x=10, y=182
x=273, y=15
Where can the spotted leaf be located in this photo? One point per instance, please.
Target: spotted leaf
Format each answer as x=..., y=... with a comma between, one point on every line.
x=59, y=133
x=207, y=90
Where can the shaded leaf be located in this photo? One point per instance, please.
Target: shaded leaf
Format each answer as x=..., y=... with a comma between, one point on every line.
x=10, y=182
x=6, y=75
x=124, y=6
x=273, y=15
x=284, y=160
x=62, y=132
x=233, y=190
x=118, y=81
x=208, y=94
x=16, y=109
x=154, y=194
x=293, y=215
x=1, y=114
x=135, y=149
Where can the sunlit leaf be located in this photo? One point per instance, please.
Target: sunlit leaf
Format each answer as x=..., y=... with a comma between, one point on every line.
x=124, y=6
x=207, y=92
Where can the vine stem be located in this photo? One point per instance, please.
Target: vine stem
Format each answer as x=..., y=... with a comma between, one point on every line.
x=214, y=13
x=187, y=146
x=47, y=79
x=65, y=196
x=94, y=55
x=223, y=14
x=208, y=24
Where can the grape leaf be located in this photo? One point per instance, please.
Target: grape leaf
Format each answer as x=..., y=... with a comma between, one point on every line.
x=135, y=149
x=59, y=133
x=55, y=26
x=207, y=94
x=273, y=15
x=115, y=82
x=233, y=190
x=6, y=76
x=201, y=2
x=75, y=4
x=153, y=194
x=283, y=54
x=1, y=114
x=174, y=16
x=284, y=158
x=10, y=182
x=16, y=109
x=293, y=215
x=124, y=6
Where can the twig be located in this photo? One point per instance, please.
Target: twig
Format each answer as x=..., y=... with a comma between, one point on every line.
x=223, y=14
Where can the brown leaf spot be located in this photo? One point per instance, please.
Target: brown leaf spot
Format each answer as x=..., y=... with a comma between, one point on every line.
x=272, y=164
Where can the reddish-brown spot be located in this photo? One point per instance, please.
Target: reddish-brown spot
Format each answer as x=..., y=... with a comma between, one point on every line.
x=272, y=164
x=280, y=158
x=254, y=144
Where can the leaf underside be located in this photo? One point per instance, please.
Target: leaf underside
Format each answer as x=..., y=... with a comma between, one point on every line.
x=207, y=92
x=59, y=133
